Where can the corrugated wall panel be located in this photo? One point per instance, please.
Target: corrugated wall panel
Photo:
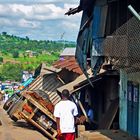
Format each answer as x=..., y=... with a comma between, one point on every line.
x=34, y=82
x=41, y=82
x=48, y=84
x=32, y=86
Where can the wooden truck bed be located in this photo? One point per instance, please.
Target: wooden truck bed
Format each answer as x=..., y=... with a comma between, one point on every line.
x=38, y=115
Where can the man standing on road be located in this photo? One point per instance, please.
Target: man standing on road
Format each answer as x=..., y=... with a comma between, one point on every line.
x=65, y=112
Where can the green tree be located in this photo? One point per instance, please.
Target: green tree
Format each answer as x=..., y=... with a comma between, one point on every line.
x=15, y=54
x=1, y=59
x=11, y=72
x=4, y=33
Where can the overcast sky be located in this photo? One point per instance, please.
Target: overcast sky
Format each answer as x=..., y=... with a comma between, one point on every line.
x=39, y=19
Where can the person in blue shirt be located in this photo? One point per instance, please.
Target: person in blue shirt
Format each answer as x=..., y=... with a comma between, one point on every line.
x=90, y=114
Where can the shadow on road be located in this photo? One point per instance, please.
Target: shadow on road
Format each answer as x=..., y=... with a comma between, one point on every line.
x=23, y=124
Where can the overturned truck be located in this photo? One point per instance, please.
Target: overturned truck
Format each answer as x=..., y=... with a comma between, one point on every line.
x=35, y=105
x=37, y=109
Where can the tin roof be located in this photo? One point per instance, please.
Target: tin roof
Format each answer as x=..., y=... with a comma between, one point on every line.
x=69, y=64
x=42, y=69
x=48, y=84
x=68, y=52
x=70, y=86
x=82, y=81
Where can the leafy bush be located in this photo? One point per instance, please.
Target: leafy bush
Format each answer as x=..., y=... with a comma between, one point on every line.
x=11, y=72
x=1, y=59
x=15, y=54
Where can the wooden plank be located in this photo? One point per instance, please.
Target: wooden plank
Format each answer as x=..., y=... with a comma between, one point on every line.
x=83, y=110
x=80, y=129
x=33, y=113
x=38, y=126
x=109, y=116
x=19, y=109
x=40, y=107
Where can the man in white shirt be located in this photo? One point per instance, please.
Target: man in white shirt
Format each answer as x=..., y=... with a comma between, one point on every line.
x=65, y=112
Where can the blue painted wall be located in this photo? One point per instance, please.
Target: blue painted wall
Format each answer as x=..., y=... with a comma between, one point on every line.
x=123, y=101
x=139, y=113
x=124, y=77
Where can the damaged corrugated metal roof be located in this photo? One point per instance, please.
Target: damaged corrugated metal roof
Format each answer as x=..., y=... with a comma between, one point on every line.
x=82, y=81
x=70, y=86
x=47, y=83
x=69, y=64
x=41, y=70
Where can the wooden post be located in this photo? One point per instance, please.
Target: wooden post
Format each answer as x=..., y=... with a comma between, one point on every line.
x=83, y=110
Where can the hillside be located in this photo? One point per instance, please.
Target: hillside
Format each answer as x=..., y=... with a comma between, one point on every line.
x=27, y=54
x=10, y=44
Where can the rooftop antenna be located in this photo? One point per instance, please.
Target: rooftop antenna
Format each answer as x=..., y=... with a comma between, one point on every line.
x=62, y=39
x=62, y=35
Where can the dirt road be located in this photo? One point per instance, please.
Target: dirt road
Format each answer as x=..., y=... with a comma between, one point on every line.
x=20, y=130
x=10, y=130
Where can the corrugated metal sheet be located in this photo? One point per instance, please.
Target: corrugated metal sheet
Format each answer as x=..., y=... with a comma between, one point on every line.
x=43, y=69
x=48, y=81
x=68, y=52
x=70, y=86
x=69, y=64
x=48, y=84
x=82, y=81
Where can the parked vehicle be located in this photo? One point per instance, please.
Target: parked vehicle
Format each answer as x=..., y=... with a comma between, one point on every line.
x=16, y=95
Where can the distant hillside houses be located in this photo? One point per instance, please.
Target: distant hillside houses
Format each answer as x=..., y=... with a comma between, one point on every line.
x=30, y=53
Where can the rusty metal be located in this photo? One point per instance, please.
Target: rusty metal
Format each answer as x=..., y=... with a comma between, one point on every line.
x=69, y=64
x=48, y=84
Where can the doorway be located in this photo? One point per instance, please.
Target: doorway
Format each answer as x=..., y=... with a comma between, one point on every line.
x=132, y=108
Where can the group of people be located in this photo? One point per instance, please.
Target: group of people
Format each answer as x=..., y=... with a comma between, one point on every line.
x=66, y=113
